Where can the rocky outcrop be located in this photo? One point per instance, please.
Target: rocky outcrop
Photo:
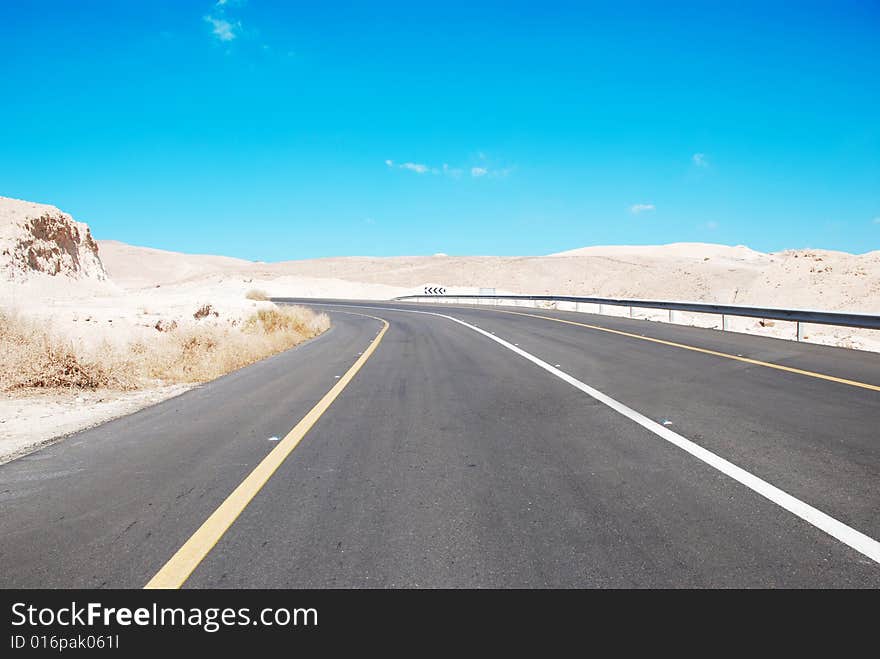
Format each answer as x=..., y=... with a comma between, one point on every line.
x=36, y=238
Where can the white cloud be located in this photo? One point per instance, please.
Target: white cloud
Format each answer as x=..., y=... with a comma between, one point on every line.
x=446, y=170
x=222, y=29
x=700, y=160
x=877, y=220
x=415, y=167
x=641, y=208
x=711, y=225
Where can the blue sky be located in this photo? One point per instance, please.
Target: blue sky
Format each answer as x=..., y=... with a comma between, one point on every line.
x=265, y=130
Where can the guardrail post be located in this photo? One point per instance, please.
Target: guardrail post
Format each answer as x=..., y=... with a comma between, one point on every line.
x=799, y=331
x=670, y=316
x=724, y=322
x=630, y=312
x=600, y=309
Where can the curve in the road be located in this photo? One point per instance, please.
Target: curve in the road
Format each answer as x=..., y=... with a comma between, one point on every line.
x=849, y=536
x=452, y=461
x=178, y=568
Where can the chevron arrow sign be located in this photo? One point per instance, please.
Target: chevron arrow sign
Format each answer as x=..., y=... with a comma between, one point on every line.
x=435, y=290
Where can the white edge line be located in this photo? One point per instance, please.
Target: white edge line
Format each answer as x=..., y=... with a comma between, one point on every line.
x=846, y=534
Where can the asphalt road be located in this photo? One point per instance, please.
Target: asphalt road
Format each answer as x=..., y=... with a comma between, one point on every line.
x=451, y=460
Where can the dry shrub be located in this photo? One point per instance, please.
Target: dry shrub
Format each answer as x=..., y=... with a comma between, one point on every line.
x=287, y=320
x=204, y=311
x=257, y=294
x=204, y=353
x=165, y=326
x=31, y=357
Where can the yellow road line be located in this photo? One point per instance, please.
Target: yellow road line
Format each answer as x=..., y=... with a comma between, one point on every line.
x=180, y=566
x=756, y=362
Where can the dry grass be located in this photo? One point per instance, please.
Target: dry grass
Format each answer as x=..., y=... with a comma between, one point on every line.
x=31, y=357
x=257, y=294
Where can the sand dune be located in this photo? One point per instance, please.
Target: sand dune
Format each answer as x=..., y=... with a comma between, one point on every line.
x=680, y=250
x=699, y=272
x=807, y=278
x=137, y=267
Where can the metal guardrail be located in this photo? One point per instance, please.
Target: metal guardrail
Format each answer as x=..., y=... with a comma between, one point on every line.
x=842, y=319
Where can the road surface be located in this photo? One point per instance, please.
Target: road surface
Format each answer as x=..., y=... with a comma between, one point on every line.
x=474, y=448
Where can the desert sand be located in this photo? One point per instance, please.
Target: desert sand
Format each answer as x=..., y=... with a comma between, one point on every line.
x=53, y=281
x=804, y=278
x=695, y=272
x=101, y=291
